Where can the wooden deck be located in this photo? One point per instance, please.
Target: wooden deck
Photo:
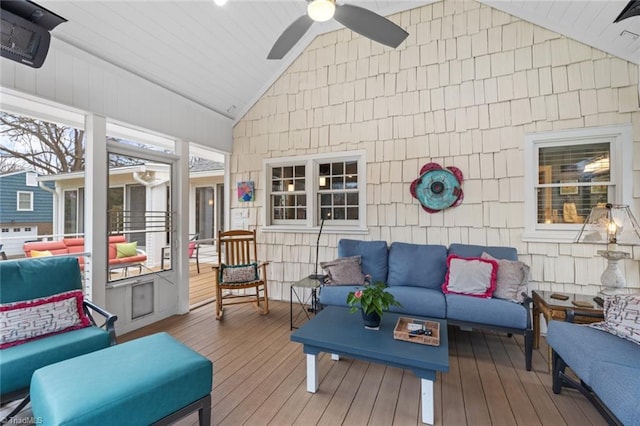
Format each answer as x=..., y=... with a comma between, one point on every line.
x=260, y=378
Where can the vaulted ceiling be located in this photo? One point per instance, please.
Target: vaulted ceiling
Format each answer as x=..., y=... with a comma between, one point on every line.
x=216, y=56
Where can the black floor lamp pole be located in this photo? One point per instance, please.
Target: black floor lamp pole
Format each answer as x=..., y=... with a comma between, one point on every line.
x=315, y=275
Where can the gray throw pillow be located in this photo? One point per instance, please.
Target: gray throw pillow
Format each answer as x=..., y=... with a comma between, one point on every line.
x=343, y=271
x=513, y=278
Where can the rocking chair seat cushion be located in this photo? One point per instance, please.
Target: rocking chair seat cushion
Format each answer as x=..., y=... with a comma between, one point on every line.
x=235, y=274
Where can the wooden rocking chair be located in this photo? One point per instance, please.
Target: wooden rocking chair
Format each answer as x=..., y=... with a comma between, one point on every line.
x=240, y=271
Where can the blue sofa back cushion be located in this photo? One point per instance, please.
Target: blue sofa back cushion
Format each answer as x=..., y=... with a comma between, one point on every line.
x=469, y=250
x=26, y=279
x=374, y=255
x=417, y=265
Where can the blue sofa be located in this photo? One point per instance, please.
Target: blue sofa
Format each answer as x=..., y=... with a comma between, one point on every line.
x=28, y=279
x=415, y=274
x=608, y=368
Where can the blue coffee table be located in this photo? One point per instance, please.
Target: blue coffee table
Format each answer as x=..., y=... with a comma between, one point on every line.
x=336, y=331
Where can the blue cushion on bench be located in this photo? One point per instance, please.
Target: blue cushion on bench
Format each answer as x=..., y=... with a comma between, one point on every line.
x=494, y=312
x=374, y=256
x=421, y=301
x=470, y=250
x=568, y=340
x=138, y=382
x=618, y=386
x=417, y=265
x=23, y=279
x=19, y=362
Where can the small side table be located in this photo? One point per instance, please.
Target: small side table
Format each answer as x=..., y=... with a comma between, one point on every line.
x=306, y=305
x=556, y=309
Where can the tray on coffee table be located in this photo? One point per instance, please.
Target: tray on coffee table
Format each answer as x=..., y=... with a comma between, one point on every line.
x=430, y=335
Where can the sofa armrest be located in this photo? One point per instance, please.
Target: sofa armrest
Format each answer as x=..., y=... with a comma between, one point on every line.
x=571, y=315
x=110, y=319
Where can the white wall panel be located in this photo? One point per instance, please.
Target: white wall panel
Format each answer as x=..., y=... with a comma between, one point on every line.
x=79, y=80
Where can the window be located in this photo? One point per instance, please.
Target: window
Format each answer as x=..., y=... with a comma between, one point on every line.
x=338, y=190
x=304, y=190
x=569, y=172
x=288, y=193
x=25, y=201
x=73, y=211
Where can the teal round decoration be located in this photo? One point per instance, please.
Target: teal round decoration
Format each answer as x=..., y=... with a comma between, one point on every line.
x=437, y=188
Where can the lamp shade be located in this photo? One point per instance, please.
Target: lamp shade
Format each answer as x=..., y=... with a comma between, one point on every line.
x=610, y=224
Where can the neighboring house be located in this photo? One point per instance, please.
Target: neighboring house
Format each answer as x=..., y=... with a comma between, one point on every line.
x=26, y=210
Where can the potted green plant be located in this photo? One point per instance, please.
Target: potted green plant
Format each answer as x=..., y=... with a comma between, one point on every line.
x=372, y=301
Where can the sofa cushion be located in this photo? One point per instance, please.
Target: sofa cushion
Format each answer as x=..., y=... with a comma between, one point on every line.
x=614, y=384
x=512, y=279
x=621, y=317
x=26, y=279
x=420, y=301
x=126, y=249
x=417, y=265
x=34, y=319
x=336, y=295
x=374, y=256
x=19, y=362
x=494, y=312
x=469, y=250
x=43, y=253
x=573, y=341
x=470, y=276
x=344, y=271
x=55, y=247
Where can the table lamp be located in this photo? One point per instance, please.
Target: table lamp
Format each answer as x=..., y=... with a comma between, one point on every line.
x=613, y=225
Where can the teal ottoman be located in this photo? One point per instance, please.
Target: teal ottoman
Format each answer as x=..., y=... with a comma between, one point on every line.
x=151, y=380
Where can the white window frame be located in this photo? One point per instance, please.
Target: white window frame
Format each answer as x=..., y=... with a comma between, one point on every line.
x=621, y=171
x=18, y=195
x=312, y=223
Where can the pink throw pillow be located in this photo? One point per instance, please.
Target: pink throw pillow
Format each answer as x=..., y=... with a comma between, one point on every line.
x=472, y=276
x=28, y=320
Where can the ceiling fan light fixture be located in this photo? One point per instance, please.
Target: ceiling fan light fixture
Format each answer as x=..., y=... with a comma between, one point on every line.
x=321, y=10
x=220, y=2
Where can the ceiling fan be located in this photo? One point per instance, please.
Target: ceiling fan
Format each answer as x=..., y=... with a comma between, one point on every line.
x=358, y=19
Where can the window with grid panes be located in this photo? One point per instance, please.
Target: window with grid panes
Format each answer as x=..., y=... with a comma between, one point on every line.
x=338, y=190
x=288, y=196
x=305, y=189
x=569, y=172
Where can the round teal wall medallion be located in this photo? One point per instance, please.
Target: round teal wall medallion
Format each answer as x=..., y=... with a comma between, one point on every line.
x=438, y=188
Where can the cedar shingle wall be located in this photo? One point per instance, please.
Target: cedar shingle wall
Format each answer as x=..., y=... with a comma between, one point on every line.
x=463, y=90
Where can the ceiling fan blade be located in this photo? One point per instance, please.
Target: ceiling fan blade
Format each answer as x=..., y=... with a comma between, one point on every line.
x=290, y=37
x=631, y=9
x=370, y=24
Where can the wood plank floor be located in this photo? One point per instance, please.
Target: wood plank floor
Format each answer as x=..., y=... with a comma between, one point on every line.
x=260, y=378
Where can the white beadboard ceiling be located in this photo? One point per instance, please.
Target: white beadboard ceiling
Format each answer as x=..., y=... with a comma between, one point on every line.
x=216, y=56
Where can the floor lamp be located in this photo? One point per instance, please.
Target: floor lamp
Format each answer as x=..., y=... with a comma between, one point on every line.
x=315, y=275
